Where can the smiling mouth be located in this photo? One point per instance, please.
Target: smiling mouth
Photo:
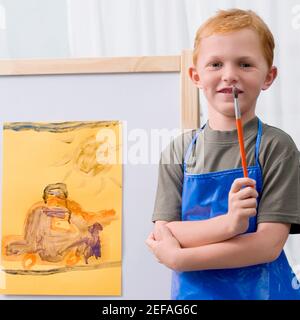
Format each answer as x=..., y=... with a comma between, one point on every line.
x=229, y=91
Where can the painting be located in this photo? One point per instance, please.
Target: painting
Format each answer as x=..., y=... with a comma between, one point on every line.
x=61, y=208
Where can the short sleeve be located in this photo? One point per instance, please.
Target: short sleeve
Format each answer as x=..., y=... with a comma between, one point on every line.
x=280, y=199
x=168, y=199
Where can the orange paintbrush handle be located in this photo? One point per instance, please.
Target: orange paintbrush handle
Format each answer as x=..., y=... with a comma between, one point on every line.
x=242, y=148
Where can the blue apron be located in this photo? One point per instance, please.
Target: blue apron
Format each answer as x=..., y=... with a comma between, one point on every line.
x=205, y=196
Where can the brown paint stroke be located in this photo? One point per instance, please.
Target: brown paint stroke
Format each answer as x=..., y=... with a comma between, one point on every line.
x=112, y=264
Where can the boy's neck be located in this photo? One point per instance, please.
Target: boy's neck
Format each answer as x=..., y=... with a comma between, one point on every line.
x=226, y=123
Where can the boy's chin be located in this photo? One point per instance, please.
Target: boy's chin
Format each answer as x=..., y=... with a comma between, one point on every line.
x=228, y=110
x=227, y=107
x=225, y=111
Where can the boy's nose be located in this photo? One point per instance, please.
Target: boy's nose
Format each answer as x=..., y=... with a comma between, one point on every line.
x=230, y=75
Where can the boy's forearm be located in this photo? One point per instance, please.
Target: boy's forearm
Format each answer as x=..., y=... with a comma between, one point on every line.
x=244, y=250
x=192, y=234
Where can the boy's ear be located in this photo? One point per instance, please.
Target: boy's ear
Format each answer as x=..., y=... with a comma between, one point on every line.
x=194, y=75
x=271, y=76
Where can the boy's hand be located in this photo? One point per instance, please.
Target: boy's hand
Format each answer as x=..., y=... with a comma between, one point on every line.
x=241, y=204
x=166, y=250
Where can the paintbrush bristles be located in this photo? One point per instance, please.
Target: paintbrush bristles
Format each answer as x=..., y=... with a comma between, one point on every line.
x=235, y=92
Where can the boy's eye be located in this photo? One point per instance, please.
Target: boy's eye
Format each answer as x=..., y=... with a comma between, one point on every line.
x=216, y=64
x=245, y=65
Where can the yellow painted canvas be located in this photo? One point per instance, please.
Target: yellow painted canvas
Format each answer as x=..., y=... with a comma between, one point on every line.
x=61, y=208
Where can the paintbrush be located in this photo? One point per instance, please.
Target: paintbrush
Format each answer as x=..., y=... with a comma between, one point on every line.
x=239, y=126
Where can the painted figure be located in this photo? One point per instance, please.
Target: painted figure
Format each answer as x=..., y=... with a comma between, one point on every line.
x=57, y=229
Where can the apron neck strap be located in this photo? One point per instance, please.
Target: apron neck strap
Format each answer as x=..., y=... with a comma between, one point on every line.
x=189, y=150
x=257, y=144
x=258, y=140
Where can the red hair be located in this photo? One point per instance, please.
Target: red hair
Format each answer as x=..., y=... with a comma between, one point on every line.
x=226, y=21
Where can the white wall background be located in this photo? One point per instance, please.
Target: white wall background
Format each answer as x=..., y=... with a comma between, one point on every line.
x=94, y=28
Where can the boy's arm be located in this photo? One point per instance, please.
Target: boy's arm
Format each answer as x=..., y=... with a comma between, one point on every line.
x=197, y=233
x=241, y=206
x=192, y=234
x=263, y=246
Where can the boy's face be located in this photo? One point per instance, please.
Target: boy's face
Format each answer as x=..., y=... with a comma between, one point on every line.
x=232, y=59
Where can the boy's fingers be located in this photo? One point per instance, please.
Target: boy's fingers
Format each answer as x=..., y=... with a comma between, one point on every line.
x=248, y=192
x=151, y=235
x=241, y=182
x=158, y=234
x=149, y=241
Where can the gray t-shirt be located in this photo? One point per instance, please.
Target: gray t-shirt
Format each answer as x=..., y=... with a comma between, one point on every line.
x=219, y=150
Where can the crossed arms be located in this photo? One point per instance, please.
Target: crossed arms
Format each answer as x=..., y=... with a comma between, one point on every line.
x=217, y=243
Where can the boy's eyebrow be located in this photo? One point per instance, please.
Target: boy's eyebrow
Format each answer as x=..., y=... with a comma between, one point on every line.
x=214, y=57
x=245, y=57
x=220, y=58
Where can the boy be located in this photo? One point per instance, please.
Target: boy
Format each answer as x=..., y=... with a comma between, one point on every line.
x=221, y=233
